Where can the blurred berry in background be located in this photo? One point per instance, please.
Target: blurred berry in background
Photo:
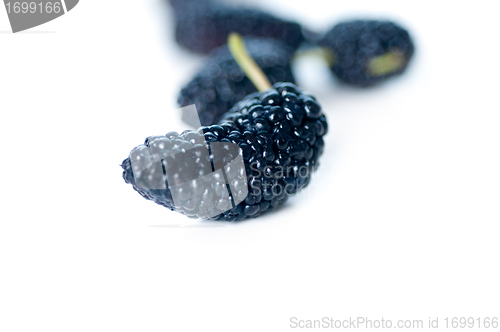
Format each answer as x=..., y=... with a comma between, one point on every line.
x=364, y=53
x=202, y=26
x=221, y=83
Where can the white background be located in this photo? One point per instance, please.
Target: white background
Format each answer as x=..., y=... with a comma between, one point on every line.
x=401, y=222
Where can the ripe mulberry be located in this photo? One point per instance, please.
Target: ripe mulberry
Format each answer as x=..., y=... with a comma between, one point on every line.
x=368, y=52
x=277, y=136
x=203, y=28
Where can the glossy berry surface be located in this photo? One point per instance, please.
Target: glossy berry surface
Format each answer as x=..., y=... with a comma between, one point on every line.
x=278, y=136
x=221, y=83
x=205, y=27
x=367, y=52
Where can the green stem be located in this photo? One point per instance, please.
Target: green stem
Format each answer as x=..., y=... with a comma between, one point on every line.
x=387, y=63
x=246, y=63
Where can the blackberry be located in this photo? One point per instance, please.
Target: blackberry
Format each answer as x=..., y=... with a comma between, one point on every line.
x=367, y=52
x=206, y=27
x=221, y=82
x=278, y=137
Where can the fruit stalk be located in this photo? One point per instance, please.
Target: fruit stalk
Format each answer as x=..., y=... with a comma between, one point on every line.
x=246, y=63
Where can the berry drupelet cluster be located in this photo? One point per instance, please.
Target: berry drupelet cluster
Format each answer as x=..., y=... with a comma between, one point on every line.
x=176, y=171
x=278, y=134
x=221, y=83
x=367, y=52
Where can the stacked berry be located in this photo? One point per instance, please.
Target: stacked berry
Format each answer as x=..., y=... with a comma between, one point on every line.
x=221, y=83
x=278, y=134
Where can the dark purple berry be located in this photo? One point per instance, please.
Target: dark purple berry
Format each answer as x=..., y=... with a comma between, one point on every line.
x=194, y=173
x=368, y=52
x=202, y=28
